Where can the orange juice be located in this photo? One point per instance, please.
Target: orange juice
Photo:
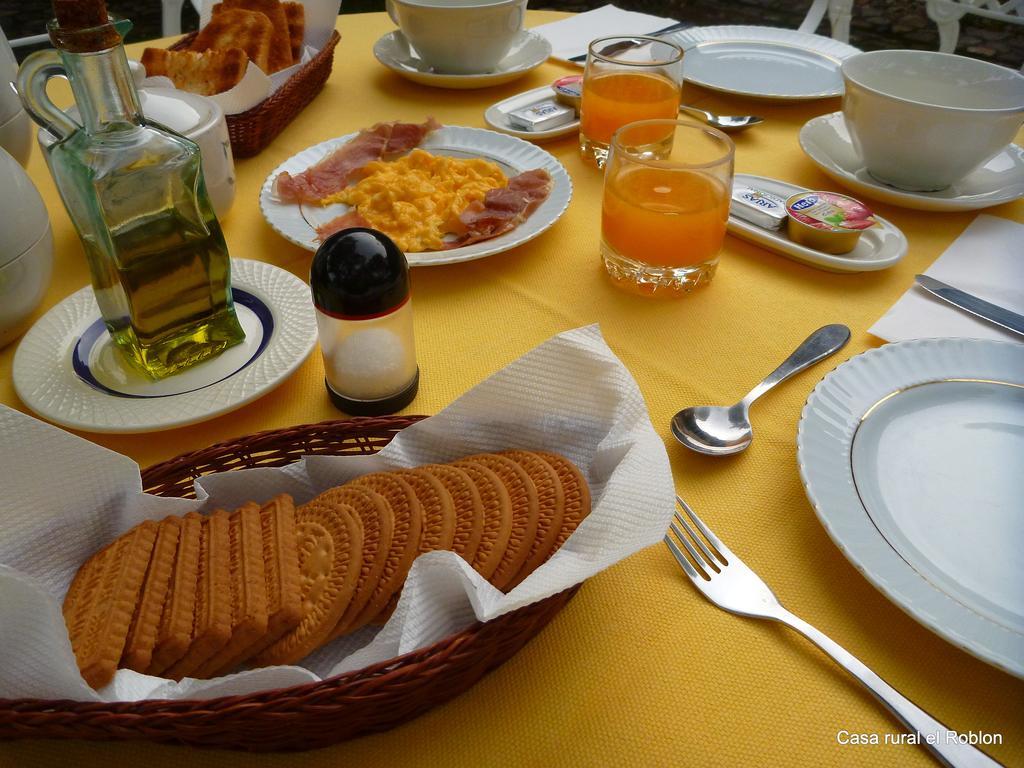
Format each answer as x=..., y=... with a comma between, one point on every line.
x=612, y=99
x=664, y=217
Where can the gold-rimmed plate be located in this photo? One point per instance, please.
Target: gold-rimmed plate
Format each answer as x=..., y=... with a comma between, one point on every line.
x=911, y=455
x=763, y=62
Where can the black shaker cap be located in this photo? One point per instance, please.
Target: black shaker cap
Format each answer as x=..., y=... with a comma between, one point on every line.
x=359, y=273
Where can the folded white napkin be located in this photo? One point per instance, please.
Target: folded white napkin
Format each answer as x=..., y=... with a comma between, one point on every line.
x=987, y=261
x=570, y=37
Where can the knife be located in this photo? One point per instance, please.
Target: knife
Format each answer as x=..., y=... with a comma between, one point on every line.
x=656, y=33
x=1000, y=316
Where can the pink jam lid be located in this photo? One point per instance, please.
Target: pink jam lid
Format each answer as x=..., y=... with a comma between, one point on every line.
x=830, y=211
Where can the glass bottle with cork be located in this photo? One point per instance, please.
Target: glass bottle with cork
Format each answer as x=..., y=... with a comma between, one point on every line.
x=134, y=191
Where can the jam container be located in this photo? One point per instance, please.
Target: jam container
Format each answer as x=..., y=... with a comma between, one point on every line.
x=827, y=221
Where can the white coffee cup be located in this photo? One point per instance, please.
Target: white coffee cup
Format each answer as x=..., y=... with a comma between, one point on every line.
x=462, y=37
x=922, y=120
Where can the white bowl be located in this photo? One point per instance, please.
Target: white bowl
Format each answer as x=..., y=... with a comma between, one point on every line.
x=922, y=121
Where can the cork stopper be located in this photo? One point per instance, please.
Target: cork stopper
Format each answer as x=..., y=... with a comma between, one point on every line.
x=82, y=26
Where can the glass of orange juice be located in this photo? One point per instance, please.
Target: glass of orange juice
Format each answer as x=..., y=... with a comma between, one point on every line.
x=626, y=79
x=667, y=185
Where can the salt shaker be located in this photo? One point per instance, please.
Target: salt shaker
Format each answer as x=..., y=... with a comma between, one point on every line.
x=360, y=284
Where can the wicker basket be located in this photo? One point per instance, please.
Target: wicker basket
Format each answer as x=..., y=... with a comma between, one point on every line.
x=251, y=131
x=305, y=716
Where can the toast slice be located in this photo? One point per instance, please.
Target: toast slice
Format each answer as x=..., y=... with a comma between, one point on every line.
x=204, y=73
x=295, y=13
x=237, y=28
x=280, y=42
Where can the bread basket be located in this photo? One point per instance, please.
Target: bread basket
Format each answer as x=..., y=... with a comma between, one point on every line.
x=251, y=131
x=306, y=716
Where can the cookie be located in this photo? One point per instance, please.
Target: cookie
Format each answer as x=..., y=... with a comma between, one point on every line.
x=330, y=541
x=101, y=601
x=248, y=590
x=575, y=490
x=467, y=506
x=525, y=511
x=175, y=631
x=405, y=541
x=497, y=518
x=138, y=649
x=281, y=573
x=551, y=508
x=378, y=530
x=211, y=629
x=438, y=509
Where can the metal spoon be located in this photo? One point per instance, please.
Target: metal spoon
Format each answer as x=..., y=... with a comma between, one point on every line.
x=727, y=123
x=719, y=430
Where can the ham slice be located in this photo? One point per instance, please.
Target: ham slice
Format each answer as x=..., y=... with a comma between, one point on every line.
x=345, y=221
x=332, y=174
x=504, y=208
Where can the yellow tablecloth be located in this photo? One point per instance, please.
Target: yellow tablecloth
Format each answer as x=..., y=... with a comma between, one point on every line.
x=639, y=669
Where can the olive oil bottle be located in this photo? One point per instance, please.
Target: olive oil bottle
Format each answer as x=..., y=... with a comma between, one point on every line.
x=135, y=192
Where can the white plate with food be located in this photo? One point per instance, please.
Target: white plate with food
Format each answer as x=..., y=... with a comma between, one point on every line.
x=529, y=50
x=499, y=192
x=763, y=62
x=879, y=247
x=67, y=370
x=826, y=141
x=911, y=457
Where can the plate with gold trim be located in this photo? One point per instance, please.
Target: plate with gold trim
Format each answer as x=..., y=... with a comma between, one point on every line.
x=911, y=455
x=768, y=63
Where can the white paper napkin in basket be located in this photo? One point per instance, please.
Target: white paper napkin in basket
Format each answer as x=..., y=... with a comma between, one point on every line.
x=62, y=498
x=987, y=260
x=571, y=37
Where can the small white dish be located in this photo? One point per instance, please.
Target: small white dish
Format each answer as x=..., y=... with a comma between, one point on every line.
x=66, y=369
x=497, y=116
x=878, y=247
x=763, y=62
x=826, y=141
x=910, y=456
x=528, y=52
x=296, y=224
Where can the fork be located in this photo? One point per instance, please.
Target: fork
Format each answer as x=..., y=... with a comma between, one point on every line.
x=727, y=582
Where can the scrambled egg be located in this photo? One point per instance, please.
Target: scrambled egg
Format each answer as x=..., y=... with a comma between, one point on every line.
x=416, y=200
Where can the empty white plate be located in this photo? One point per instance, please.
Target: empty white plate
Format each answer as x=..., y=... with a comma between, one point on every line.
x=826, y=141
x=763, y=62
x=911, y=456
x=528, y=52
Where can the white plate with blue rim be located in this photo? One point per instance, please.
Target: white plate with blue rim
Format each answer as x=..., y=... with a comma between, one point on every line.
x=911, y=455
x=67, y=370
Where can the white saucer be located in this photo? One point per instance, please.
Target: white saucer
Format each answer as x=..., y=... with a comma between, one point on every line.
x=879, y=247
x=826, y=141
x=529, y=51
x=66, y=369
x=497, y=116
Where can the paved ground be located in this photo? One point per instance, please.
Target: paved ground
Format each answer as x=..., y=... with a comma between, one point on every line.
x=876, y=23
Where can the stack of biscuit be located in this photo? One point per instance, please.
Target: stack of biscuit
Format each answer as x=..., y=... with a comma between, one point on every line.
x=267, y=32
x=201, y=595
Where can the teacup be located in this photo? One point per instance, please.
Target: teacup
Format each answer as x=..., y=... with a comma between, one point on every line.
x=461, y=37
x=922, y=121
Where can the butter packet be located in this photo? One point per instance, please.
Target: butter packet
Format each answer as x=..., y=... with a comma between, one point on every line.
x=760, y=208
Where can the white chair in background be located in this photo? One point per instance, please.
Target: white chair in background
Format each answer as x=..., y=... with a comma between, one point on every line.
x=947, y=14
x=840, y=12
